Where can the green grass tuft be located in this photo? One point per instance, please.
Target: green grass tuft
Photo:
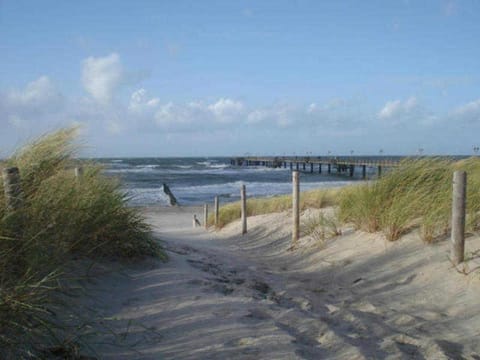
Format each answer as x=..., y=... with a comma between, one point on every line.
x=257, y=206
x=62, y=217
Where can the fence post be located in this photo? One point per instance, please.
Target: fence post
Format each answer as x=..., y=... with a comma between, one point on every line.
x=216, y=211
x=458, y=217
x=243, y=197
x=295, y=206
x=12, y=188
x=78, y=172
x=205, y=216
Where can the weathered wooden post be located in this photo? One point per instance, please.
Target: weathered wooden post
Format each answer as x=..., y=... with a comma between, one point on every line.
x=320, y=168
x=216, y=211
x=364, y=172
x=379, y=171
x=352, y=170
x=295, y=206
x=458, y=217
x=311, y=167
x=78, y=172
x=196, y=222
x=243, y=197
x=205, y=216
x=303, y=166
x=12, y=188
x=329, y=170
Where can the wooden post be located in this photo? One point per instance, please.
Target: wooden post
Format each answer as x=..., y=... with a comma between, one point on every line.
x=78, y=172
x=205, y=216
x=295, y=206
x=364, y=172
x=194, y=223
x=243, y=197
x=329, y=168
x=458, y=217
x=216, y=210
x=320, y=168
x=291, y=165
x=12, y=188
x=352, y=170
x=303, y=166
x=311, y=167
x=297, y=166
x=379, y=171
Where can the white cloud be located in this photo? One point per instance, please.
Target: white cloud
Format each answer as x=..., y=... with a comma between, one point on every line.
x=29, y=106
x=140, y=103
x=101, y=76
x=39, y=92
x=226, y=110
x=469, y=112
x=398, y=108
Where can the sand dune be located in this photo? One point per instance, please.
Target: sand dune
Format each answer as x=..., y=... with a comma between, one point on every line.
x=227, y=296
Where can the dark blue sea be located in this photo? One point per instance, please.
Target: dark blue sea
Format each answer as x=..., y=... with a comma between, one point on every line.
x=195, y=181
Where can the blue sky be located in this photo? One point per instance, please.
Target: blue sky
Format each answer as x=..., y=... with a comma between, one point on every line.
x=166, y=78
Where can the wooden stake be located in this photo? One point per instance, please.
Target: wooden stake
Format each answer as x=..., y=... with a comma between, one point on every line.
x=205, y=216
x=12, y=188
x=458, y=217
x=78, y=172
x=295, y=206
x=216, y=211
x=243, y=197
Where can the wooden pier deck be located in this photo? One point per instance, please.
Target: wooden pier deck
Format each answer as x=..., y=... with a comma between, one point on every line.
x=339, y=164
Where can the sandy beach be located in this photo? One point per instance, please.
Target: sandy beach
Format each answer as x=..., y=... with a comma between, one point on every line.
x=226, y=296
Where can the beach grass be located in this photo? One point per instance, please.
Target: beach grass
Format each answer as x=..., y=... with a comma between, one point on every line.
x=62, y=217
x=415, y=195
x=315, y=199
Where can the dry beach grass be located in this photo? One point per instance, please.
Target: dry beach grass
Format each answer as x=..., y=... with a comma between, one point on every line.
x=62, y=217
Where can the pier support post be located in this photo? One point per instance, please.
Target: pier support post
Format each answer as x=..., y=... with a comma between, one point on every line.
x=303, y=166
x=297, y=165
x=458, y=217
x=205, y=216
x=352, y=170
x=364, y=172
x=329, y=170
x=320, y=168
x=311, y=168
x=243, y=197
x=12, y=188
x=295, y=206
x=379, y=172
x=216, y=211
x=291, y=165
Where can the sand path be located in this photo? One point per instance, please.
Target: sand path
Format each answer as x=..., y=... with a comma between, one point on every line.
x=224, y=296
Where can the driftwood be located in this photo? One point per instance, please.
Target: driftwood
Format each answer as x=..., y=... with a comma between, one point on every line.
x=171, y=197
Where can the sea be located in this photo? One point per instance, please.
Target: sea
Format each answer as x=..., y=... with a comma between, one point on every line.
x=195, y=181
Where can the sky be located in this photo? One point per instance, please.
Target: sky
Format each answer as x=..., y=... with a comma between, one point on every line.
x=223, y=78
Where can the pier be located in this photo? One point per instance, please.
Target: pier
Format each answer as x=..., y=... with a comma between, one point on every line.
x=330, y=164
